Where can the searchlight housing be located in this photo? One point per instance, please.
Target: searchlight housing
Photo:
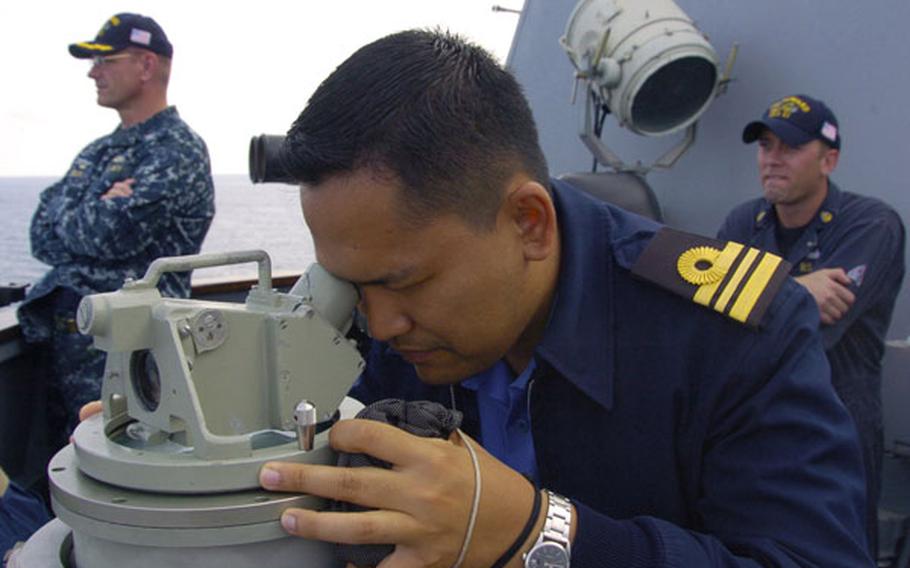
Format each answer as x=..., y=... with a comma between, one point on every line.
x=645, y=62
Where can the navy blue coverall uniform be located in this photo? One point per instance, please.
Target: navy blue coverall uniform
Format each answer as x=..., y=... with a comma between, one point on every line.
x=864, y=237
x=683, y=437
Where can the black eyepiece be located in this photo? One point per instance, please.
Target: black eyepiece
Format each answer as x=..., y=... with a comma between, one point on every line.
x=265, y=166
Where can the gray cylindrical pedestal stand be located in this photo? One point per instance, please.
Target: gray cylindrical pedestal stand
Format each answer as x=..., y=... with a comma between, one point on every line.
x=113, y=527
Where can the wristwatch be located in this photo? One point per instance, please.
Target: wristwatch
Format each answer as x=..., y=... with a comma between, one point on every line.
x=552, y=549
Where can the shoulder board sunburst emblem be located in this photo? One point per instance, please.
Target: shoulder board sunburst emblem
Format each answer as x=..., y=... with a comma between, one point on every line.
x=735, y=280
x=698, y=265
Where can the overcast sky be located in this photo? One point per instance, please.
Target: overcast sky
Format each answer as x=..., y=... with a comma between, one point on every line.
x=240, y=68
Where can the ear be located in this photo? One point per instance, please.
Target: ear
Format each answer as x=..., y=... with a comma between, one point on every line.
x=149, y=62
x=829, y=160
x=532, y=213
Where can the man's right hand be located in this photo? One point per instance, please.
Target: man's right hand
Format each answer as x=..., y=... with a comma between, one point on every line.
x=422, y=504
x=830, y=288
x=122, y=188
x=89, y=409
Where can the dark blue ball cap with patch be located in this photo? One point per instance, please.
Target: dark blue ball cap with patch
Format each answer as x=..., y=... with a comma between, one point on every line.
x=796, y=120
x=122, y=31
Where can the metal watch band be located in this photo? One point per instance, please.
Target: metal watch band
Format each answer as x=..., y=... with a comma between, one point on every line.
x=559, y=520
x=552, y=547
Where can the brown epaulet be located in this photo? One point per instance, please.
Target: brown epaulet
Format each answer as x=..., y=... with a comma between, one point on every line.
x=733, y=279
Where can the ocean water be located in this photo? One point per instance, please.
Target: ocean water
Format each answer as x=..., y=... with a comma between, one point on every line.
x=247, y=216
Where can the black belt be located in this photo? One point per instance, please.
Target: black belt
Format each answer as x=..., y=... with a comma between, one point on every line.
x=66, y=302
x=64, y=324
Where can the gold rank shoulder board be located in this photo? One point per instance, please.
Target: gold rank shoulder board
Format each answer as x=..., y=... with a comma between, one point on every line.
x=733, y=279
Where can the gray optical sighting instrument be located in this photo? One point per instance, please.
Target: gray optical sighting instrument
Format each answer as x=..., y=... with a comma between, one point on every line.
x=197, y=396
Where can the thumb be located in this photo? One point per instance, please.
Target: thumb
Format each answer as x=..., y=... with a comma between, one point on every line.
x=840, y=276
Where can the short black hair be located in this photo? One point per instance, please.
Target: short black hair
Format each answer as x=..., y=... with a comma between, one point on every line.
x=435, y=111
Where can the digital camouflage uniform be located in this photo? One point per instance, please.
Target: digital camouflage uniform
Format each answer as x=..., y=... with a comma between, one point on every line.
x=93, y=245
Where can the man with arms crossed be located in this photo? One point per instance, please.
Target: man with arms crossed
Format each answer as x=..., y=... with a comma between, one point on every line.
x=141, y=192
x=846, y=249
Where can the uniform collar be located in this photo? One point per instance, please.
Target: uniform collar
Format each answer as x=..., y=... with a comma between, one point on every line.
x=128, y=136
x=765, y=216
x=579, y=342
x=830, y=207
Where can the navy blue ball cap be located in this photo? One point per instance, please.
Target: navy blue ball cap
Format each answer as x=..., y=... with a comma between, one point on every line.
x=123, y=31
x=797, y=119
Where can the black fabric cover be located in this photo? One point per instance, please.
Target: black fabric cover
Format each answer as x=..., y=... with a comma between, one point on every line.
x=421, y=418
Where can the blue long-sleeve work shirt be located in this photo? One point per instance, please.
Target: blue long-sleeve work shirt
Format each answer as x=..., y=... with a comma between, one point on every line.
x=683, y=437
x=865, y=237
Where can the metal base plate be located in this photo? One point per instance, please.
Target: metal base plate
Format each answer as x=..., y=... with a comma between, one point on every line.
x=162, y=467
x=43, y=550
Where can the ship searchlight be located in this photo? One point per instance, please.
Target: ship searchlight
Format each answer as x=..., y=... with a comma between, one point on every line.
x=645, y=62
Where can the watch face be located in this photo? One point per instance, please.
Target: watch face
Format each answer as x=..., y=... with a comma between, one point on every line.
x=547, y=555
